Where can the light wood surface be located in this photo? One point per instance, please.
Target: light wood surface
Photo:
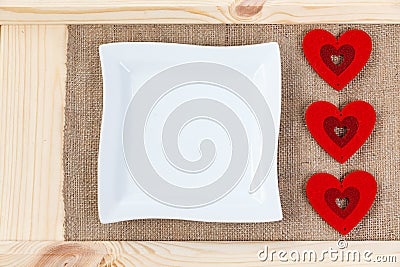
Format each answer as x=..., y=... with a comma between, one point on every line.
x=197, y=11
x=49, y=253
x=32, y=85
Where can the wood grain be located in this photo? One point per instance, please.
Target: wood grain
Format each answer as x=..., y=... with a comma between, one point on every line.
x=32, y=87
x=127, y=253
x=32, y=80
x=196, y=11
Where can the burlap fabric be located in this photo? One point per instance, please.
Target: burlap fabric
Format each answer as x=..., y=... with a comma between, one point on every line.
x=299, y=155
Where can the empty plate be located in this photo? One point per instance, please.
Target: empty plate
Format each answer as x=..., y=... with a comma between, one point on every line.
x=189, y=132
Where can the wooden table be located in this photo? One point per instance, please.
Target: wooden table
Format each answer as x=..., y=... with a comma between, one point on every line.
x=33, y=39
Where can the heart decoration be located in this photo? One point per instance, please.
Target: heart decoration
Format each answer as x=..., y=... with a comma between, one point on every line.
x=358, y=187
x=357, y=119
x=320, y=46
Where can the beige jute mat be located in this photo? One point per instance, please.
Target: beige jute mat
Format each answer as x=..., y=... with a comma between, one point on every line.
x=299, y=155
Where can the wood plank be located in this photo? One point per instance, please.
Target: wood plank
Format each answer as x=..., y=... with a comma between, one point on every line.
x=32, y=87
x=129, y=253
x=196, y=11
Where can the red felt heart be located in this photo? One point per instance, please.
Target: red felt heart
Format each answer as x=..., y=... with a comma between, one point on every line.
x=357, y=117
x=354, y=45
x=351, y=194
x=350, y=123
x=358, y=187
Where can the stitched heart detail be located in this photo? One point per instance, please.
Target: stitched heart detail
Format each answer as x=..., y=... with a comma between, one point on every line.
x=349, y=125
x=358, y=118
x=351, y=194
x=359, y=187
x=346, y=51
x=354, y=46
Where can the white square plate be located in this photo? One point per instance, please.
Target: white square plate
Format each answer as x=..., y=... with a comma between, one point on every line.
x=189, y=132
